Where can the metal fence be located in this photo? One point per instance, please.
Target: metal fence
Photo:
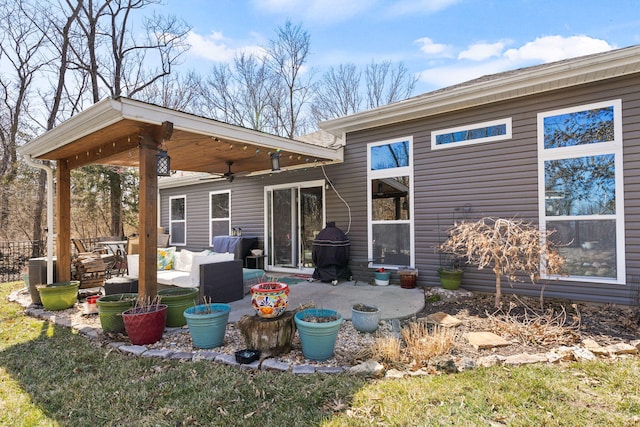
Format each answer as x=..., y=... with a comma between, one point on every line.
x=14, y=256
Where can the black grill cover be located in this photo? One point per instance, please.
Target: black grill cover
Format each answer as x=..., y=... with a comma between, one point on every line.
x=330, y=253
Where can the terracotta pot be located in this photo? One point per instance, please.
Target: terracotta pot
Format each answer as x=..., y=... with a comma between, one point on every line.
x=270, y=299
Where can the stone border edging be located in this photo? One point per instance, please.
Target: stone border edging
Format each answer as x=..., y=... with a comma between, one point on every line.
x=589, y=350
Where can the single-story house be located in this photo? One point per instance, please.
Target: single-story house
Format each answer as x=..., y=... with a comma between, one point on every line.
x=556, y=144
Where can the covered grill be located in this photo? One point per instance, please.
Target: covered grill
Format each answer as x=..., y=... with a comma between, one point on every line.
x=330, y=253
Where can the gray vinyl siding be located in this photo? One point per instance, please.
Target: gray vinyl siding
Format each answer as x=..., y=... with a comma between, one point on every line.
x=494, y=179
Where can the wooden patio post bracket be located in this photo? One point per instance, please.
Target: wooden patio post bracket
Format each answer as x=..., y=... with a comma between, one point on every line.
x=63, y=221
x=149, y=142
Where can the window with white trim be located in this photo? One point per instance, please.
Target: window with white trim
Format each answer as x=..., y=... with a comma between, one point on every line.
x=581, y=193
x=495, y=130
x=219, y=214
x=389, y=200
x=178, y=220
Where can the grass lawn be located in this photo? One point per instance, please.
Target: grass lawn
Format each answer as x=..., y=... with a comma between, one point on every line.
x=51, y=376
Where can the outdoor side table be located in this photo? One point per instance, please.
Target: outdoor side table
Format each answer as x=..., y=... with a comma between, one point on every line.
x=258, y=261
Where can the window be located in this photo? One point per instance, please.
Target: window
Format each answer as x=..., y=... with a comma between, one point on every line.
x=219, y=214
x=178, y=220
x=472, y=134
x=580, y=188
x=390, y=209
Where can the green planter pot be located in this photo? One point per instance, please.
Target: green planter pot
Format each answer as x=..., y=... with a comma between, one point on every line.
x=59, y=296
x=450, y=279
x=318, y=339
x=177, y=301
x=110, y=308
x=207, y=324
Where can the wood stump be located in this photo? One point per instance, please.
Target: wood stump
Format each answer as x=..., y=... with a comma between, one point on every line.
x=271, y=336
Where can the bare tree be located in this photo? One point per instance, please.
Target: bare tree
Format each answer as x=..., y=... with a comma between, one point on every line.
x=508, y=246
x=386, y=84
x=117, y=63
x=176, y=91
x=338, y=93
x=21, y=48
x=288, y=53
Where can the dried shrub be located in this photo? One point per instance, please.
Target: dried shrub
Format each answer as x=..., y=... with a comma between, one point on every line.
x=422, y=345
x=549, y=327
x=508, y=246
x=386, y=349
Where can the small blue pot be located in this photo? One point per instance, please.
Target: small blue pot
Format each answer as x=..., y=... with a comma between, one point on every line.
x=318, y=339
x=207, y=324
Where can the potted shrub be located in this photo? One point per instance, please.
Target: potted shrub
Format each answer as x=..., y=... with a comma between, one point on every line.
x=318, y=329
x=207, y=324
x=365, y=318
x=145, y=322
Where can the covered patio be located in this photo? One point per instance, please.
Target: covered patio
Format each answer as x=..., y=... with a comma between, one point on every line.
x=126, y=132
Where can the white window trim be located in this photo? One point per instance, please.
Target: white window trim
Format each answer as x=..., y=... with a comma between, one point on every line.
x=387, y=173
x=506, y=121
x=211, y=193
x=609, y=147
x=172, y=221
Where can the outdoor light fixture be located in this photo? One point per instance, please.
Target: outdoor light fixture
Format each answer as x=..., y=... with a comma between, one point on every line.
x=163, y=163
x=275, y=162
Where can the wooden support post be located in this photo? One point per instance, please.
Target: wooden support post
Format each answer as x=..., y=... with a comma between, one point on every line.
x=148, y=217
x=63, y=221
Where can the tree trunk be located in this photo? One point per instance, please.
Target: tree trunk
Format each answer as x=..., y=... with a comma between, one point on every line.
x=271, y=336
x=37, y=213
x=496, y=271
x=115, y=191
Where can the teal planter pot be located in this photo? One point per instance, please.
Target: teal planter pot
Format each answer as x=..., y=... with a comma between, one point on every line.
x=207, y=324
x=110, y=308
x=177, y=301
x=59, y=296
x=318, y=337
x=382, y=278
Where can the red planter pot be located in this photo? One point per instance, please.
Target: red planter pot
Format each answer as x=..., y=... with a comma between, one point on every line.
x=145, y=325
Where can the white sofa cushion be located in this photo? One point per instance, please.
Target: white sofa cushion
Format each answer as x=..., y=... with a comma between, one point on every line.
x=184, y=258
x=180, y=279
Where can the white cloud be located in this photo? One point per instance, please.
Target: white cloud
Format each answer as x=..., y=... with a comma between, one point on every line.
x=489, y=58
x=432, y=48
x=482, y=51
x=556, y=48
x=217, y=48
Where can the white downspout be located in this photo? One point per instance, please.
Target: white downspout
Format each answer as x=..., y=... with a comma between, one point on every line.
x=49, y=172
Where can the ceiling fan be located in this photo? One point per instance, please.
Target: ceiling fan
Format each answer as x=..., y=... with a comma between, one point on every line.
x=229, y=175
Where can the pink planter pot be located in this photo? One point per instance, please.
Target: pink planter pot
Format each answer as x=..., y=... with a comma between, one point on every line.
x=270, y=299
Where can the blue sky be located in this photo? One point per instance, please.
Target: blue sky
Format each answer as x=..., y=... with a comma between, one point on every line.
x=442, y=42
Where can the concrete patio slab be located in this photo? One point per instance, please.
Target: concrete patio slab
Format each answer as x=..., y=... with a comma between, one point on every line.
x=394, y=302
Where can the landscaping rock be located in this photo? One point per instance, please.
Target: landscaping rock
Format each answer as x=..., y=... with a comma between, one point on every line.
x=444, y=320
x=484, y=340
x=370, y=368
x=525, y=359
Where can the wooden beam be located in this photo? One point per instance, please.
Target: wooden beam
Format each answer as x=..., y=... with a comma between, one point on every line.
x=148, y=218
x=63, y=222
x=101, y=153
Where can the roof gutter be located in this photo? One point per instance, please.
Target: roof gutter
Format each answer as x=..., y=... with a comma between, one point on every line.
x=509, y=85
